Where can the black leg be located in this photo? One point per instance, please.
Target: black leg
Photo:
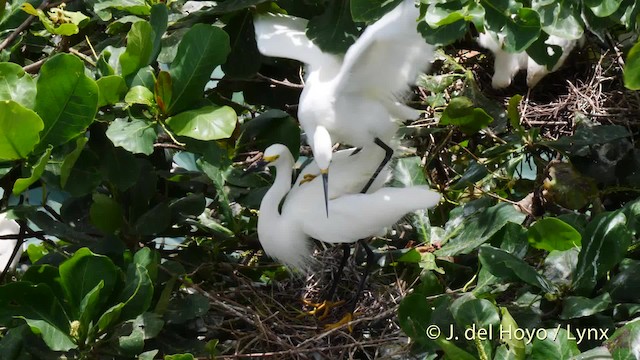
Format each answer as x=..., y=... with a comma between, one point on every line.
x=388, y=153
x=338, y=274
x=357, y=150
x=365, y=274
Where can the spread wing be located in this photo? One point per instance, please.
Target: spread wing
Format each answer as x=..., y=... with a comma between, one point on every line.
x=284, y=36
x=388, y=56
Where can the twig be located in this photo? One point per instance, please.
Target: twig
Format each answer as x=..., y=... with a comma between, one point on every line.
x=286, y=83
x=25, y=24
x=33, y=68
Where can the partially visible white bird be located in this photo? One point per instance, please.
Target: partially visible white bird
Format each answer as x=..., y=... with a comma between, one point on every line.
x=7, y=246
x=285, y=235
x=354, y=100
x=507, y=64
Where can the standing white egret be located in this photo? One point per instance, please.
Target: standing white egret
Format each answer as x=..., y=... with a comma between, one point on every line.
x=355, y=100
x=7, y=246
x=285, y=234
x=507, y=65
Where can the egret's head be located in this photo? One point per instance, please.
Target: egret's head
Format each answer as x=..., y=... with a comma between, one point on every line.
x=274, y=153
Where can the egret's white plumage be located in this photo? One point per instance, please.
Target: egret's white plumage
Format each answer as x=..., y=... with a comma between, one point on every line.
x=354, y=99
x=285, y=236
x=507, y=64
x=7, y=246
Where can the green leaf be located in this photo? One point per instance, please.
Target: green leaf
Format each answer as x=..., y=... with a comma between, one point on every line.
x=162, y=91
x=557, y=345
x=82, y=273
x=205, y=123
x=135, y=7
x=522, y=30
x=55, y=339
x=89, y=308
x=333, y=30
x=110, y=317
x=477, y=313
x=371, y=10
x=201, y=50
x=150, y=259
x=105, y=213
x=17, y=85
x=154, y=221
x=462, y=113
x=112, y=89
x=67, y=100
x=137, y=293
x=578, y=306
x=623, y=287
x=136, y=136
x=560, y=18
x=19, y=130
x=139, y=48
x=604, y=245
x=159, y=20
x=140, y=95
x=631, y=72
x=513, y=114
x=472, y=230
x=23, y=184
x=553, y=234
x=244, y=58
x=443, y=35
x=70, y=160
x=186, y=308
x=603, y=8
x=179, y=357
x=36, y=303
x=506, y=266
x=474, y=173
x=65, y=29
x=516, y=345
x=622, y=344
x=271, y=127
x=414, y=315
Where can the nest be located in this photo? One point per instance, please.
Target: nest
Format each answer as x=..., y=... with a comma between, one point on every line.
x=256, y=320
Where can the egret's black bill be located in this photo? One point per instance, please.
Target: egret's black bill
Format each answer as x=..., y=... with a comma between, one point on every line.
x=325, y=187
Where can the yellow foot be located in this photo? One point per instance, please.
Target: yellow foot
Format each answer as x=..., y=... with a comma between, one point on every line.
x=307, y=178
x=346, y=319
x=322, y=308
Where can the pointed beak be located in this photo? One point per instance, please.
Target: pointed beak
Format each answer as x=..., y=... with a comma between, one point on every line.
x=325, y=187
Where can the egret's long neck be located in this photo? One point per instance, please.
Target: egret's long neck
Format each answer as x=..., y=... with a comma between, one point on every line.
x=281, y=186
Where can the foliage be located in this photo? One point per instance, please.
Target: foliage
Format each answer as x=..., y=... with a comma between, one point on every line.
x=121, y=121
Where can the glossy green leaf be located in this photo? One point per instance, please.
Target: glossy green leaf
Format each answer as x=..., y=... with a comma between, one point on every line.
x=135, y=7
x=159, y=20
x=139, y=48
x=559, y=344
x=443, y=35
x=578, y=306
x=105, y=213
x=603, y=8
x=162, y=91
x=137, y=293
x=461, y=112
x=150, y=259
x=480, y=313
x=17, y=85
x=70, y=160
x=522, y=30
x=37, y=169
x=553, y=234
x=112, y=90
x=65, y=29
x=89, y=309
x=67, y=100
x=414, y=315
x=136, y=136
x=604, y=246
x=244, y=58
x=55, y=338
x=37, y=305
x=333, y=30
x=19, y=130
x=506, y=266
x=206, y=123
x=371, y=10
x=201, y=50
x=513, y=114
x=516, y=345
x=154, y=221
x=623, y=287
x=631, y=72
x=560, y=18
x=83, y=272
x=110, y=317
x=140, y=95
x=622, y=343
x=476, y=228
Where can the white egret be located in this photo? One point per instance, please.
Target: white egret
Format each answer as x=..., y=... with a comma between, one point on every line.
x=284, y=235
x=507, y=64
x=354, y=100
x=7, y=246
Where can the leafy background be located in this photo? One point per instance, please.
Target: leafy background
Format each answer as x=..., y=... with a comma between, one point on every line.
x=126, y=126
